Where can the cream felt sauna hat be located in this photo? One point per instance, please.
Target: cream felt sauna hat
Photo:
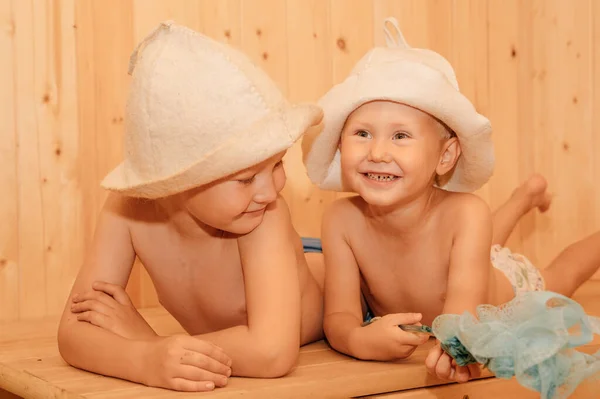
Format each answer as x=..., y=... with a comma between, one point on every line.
x=416, y=77
x=199, y=110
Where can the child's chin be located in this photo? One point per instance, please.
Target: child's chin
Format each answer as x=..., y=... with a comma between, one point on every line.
x=380, y=199
x=242, y=227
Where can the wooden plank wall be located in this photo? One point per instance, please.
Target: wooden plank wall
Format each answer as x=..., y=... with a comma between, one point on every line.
x=528, y=65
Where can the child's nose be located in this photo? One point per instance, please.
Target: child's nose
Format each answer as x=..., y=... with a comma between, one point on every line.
x=266, y=193
x=378, y=152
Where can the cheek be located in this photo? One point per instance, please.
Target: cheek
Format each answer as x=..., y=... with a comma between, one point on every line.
x=219, y=203
x=418, y=158
x=352, y=154
x=279, y=179
x=237, y=200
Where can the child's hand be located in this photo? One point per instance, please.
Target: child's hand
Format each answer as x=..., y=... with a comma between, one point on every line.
x=108, y=306
x=384, y=340
x=441, y=365
x=185, y=363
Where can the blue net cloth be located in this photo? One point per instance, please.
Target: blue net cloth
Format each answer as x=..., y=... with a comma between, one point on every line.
x=531, y=337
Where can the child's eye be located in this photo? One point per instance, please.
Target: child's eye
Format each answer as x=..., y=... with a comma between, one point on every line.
x=400, y=136
x=363, y=133
x=247, y=181
x=278, y=164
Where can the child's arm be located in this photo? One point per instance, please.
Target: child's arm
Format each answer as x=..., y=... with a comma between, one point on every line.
x=92, y=348
x=269, y=344
x=468, y=278
x=381, y=340
x=110, y=258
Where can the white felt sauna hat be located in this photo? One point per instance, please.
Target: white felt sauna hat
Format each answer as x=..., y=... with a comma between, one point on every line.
x=420, y=78
x=199, y=110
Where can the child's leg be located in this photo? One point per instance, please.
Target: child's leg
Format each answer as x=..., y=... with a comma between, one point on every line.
x=573, y=266
x=531, y=194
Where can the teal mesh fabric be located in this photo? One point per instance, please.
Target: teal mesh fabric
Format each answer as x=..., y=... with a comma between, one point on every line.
x=532, y=338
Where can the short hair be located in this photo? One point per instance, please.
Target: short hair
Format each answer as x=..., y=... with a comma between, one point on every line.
x=444, y=130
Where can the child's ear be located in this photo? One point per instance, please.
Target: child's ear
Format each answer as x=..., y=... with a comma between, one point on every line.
x=450, y=154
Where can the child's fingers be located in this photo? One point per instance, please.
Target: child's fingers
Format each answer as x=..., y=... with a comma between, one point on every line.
x=193, y=373
x=181, y=384
x=95, y=296
x=196, y=373
x=474, y=370
x=404, y=318
x=92, y=305
x=206, y=348
x=443, y=368
x=414, y=339
x=404, y=351
x=114, y=290
x=432, y=358
x=462, y=374
x=95, y=318
x=205, y=362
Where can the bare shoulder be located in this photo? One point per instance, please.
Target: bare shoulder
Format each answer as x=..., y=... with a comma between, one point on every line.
x=130, y=210
x=465, y=205
x=342, y=221
x=464, y=210
x=344, y=211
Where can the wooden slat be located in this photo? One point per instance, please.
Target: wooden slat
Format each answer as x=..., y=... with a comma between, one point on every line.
x=9, y=232
x=222, y=20
x=350, y=39
x=29, y=45
x=59, y=156
x=148, y=14
x=91, y=194
x=309, y=77
x=263, y=37
x=487, y=388
x=505, y=106
x=595, y=145
x=561, y=116
x=7, y=395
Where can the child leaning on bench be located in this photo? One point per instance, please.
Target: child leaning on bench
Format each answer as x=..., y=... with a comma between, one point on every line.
x=415, y=243
x=197, y=201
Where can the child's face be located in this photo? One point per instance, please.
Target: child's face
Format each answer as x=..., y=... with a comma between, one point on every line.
x=237, y=203
x=390, y=152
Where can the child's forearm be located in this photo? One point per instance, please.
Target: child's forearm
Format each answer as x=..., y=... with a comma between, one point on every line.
x=91, y=348
x=254, y=353
x=458, y=304
x=343, y=332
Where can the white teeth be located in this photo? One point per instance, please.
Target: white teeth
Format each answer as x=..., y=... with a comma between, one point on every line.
x=379, y=177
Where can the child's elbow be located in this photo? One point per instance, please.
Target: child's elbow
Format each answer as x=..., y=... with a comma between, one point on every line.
x=277, y=360
x=64, y=338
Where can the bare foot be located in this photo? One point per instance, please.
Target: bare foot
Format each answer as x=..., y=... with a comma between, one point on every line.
x=534, y=192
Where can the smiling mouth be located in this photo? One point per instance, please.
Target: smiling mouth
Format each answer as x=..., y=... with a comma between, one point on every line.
x=381, y=177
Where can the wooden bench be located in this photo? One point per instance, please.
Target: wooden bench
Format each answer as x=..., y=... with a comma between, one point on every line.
x=31, y=367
